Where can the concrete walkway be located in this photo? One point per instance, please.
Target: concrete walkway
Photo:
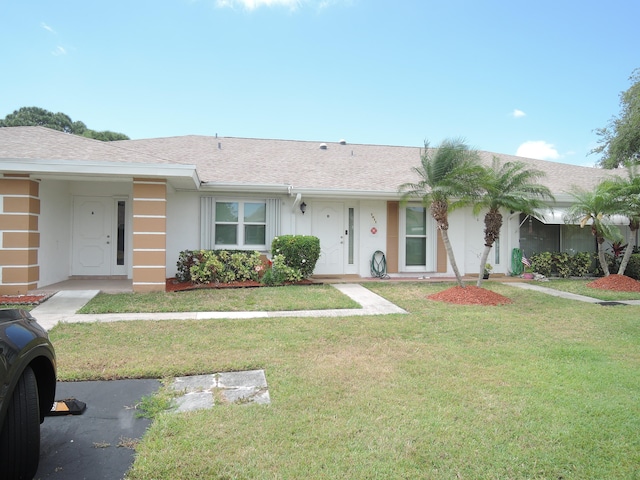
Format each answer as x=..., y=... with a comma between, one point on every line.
x=570, y=296
x=62, y=307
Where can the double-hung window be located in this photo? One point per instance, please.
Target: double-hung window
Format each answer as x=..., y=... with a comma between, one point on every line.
x=240, y=223
x=416, y=236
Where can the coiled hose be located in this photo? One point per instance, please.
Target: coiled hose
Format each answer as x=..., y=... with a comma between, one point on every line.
x=378, y=265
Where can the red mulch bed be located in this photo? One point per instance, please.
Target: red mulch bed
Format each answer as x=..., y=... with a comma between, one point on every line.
x=22, y=299
x=173, y=285
x=469, y=295
x=617, y=283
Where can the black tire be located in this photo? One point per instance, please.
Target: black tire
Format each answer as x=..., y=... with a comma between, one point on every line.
x=20, y=436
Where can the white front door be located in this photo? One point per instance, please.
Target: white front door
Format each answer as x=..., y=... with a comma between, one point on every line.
x=93, y=235
x=327, y=224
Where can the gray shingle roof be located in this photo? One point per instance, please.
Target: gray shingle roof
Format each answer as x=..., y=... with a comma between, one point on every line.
x=304, y=164
x=249, y=161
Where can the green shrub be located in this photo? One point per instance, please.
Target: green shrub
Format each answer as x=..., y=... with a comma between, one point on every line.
x=300, y=252
x=633, y=267
x=224, y=266
x=281, y=273
x=611, y=263
x=184, y=264
x=581, y=264
x=542, y=263
x=562, y=264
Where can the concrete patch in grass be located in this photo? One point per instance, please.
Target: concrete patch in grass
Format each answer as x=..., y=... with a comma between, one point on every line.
x=204, y=391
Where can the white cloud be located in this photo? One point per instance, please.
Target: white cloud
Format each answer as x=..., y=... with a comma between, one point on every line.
x=518, y=113
x=59, y=51
x=47, y=27
x=253, y=4
x=538, y=149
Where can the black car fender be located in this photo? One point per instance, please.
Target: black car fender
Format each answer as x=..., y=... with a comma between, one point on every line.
x=25, y=343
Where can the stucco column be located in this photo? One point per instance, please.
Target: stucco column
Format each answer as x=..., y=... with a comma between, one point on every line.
x=149, y=235
x=19, y=236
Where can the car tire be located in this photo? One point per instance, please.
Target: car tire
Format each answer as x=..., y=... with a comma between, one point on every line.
x=20, y=436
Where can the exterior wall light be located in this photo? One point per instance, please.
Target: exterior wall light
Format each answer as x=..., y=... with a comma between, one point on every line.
x=303, y=207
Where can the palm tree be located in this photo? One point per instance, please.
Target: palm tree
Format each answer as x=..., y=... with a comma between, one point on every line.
x=628, y=191
x=511, y=186
x=596, y=206
x=447, y=175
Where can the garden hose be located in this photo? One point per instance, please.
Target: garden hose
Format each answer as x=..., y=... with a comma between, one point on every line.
x=378, y=265
x=516, y=262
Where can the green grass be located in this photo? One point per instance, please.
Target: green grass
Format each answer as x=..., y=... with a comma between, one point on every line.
x=22, y=306
x=580, y=287
x=294, y=297
x=542, y=388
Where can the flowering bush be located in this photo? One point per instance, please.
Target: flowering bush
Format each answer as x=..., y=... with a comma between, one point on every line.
x=224, y=266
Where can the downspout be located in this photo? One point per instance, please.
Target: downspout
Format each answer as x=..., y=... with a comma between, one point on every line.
x=296, y=202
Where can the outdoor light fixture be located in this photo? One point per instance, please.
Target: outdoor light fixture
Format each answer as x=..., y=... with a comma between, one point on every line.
x=303, y=207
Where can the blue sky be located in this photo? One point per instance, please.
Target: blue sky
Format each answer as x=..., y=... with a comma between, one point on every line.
x=504, y=75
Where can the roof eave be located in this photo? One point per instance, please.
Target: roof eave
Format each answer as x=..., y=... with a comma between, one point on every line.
x=180, y=177
x=292, y=191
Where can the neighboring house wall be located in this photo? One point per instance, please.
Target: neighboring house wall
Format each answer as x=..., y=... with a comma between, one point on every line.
x=19, y=271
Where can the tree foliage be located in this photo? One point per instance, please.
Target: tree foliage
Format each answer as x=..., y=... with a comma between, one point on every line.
x=39, y=117
x=510, y=186
x=627, y=191
x=619, y=142
x=447, y=180
x=594, y=208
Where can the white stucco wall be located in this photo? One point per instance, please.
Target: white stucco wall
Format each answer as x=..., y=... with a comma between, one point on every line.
x=54, y=225
x=373, y=214
x=183, y=226
x=473, y=245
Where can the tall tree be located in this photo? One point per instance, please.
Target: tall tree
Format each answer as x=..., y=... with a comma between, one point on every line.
x=510, y=186
x=627, y=190
x=35, y=116
x=447, y=177
x=596, y=206
x=619, y=141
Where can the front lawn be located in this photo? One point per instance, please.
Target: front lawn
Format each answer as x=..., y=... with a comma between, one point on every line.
x=540, y=388
x=293, y=297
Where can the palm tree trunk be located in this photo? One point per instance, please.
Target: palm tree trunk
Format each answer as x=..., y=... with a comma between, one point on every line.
x=601, y=258
x=483, y=262
x=628, y=251
x=452, y=259
x=492, y=226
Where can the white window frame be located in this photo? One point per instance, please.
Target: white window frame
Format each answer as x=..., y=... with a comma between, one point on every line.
x=208, y=222
x=431, y=243
x=240, y=224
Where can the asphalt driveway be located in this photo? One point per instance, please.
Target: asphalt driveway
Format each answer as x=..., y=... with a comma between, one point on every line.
x=96, y=445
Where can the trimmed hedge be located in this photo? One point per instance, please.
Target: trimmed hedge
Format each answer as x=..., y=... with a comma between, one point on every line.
x=562, y=264
x=300, y=252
